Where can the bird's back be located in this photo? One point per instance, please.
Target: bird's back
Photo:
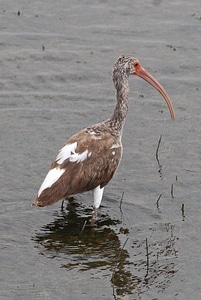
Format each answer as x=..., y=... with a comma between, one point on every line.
x=88, y=159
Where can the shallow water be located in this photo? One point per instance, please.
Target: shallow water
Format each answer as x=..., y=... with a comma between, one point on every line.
x=56, y=61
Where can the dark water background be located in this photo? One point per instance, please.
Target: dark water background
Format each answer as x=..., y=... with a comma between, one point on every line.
x=56, y=59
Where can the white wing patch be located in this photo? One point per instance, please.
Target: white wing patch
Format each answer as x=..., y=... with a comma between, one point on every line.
x=52, y=176
x=69, y=152
x=66, y=152
x=76, y=157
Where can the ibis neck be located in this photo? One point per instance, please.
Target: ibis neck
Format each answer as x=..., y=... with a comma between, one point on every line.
x=121, y=109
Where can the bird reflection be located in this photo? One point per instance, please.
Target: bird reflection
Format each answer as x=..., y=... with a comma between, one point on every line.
x=85, y=247
x=80, y=246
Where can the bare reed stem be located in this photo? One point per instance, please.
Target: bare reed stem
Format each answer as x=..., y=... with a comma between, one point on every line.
x=157, y=149
x=147, y=256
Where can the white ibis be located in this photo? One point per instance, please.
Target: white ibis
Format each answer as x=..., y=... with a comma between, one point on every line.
x=90, y=157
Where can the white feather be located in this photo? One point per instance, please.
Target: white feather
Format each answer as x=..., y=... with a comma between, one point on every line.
x=76, y=157
x=69, y=152
x=52, y=176
x=66, y=152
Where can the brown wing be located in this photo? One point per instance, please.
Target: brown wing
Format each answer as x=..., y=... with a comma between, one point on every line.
x=98, y=167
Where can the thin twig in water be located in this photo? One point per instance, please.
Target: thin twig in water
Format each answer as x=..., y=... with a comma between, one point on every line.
x=157, y=149
x=157, y=156
x=113, y=293
x=147, y=255
x=122, y=196
x=182, y=211
x=157, y=202
x=172, y=191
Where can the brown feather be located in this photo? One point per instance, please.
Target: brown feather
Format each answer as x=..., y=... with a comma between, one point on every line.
x=97, y=169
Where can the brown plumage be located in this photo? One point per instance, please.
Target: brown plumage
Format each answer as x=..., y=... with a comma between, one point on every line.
x=90, y=157
x=83, y=176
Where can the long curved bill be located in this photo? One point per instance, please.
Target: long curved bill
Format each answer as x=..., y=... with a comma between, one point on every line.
x=141, y=72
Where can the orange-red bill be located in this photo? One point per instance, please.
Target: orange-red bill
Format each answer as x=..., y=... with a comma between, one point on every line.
x=141, y=72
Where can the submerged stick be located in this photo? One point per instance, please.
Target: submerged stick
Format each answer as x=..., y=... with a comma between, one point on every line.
x=157, y=202
x=182, y=211
x=157, y=149
x=122, y=196
x=157, y=156
x=172, y=191
x=147, y=256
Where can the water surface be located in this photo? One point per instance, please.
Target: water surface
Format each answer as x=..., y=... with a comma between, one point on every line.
x=56, y=61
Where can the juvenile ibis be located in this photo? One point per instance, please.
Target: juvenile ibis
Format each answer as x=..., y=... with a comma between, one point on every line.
x=89, y=159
